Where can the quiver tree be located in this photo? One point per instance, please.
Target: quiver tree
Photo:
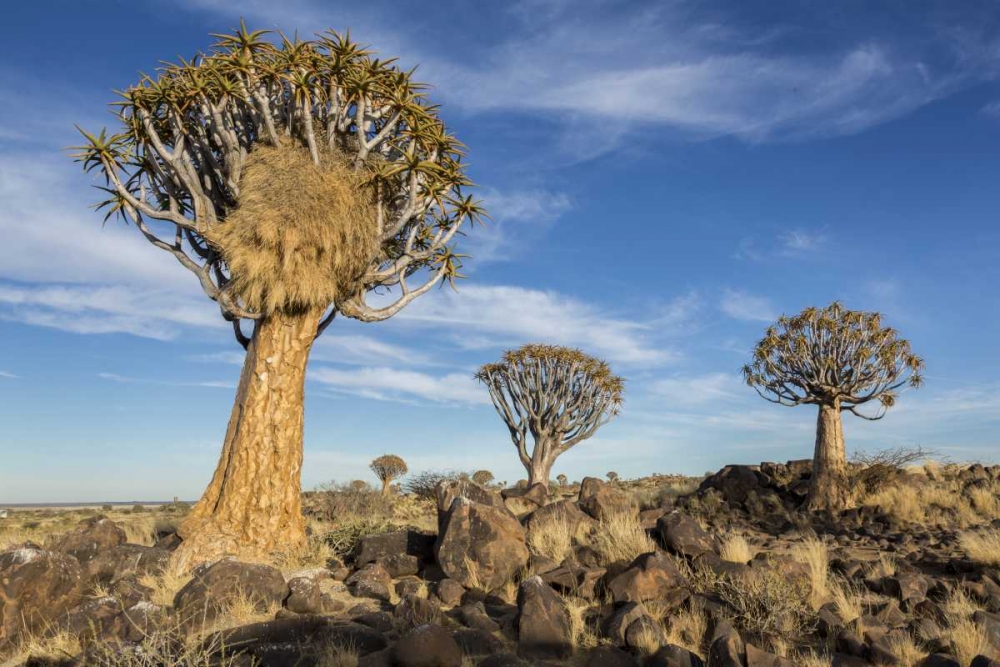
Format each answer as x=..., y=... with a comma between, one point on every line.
x=482, y=477
x=292, y=180
x=559, y=395
x=388, y=468
x=838, y=360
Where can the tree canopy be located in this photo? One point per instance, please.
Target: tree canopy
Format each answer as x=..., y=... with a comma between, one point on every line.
x=833, y=356
x=178, y=168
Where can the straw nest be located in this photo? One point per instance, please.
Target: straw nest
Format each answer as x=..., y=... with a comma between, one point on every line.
x=302, y=235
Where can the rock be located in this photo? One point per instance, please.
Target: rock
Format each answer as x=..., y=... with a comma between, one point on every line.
x=906, y=587
x=371, y=581
x=758, y=658
x=473, y=615
x=413, y=611
x=215, y=586
x=984, y=661
x=99, y=618
x=621, y=617
x=652, y=576
x=142, y=619
x=256, y=639
x=940, y=660
x=89, y=538
x=400, y=565
x=479, y=642
x=126, y=560
x=733, y=482
x=990, y=623
x=521, y=502
x=306, y=596
x=543, y=627
x=427, y=646
x=376, y=620
x=567, y=511
x=410, y=586
x=645, y=636
x=37, y=589
x=579, y=581
x=449, y=592
x=601, y=501
x=608, y=656
x=481, y=546
x=727, y=648
x=503, y=660
x=447, y=491
x=674, y=656
x=682, y=535
x=394, y=545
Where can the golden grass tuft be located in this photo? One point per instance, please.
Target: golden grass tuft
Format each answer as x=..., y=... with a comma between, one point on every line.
x=812, y=553
x=983, y=546
x=969, y=640
x=301, y=235
x=736, y=549
x=552, y=538
x=620, y=537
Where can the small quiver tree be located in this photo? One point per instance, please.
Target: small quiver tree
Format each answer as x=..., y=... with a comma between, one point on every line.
x=559, y=395
x=388, y=468
x=482, y=477
x=838, y=360
x=292, y=180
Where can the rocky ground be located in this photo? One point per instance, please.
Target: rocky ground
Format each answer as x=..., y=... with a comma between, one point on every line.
x=728, y=572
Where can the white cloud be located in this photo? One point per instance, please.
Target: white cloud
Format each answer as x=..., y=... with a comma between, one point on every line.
x=518, y=219
x=742, y=306
x=393, y=384
x=506, y=316
x=696, y=391
x=228, y=357
x=798, y=243
x=125, y=379
x=361, y=349
x=992, y=109
x=9, y=376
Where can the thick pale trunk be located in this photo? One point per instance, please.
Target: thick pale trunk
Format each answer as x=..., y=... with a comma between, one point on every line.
x=385, y=486
x=829, y=488
x=252, y=507
x=542, y=460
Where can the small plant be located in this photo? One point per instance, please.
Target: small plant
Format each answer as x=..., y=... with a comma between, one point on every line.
x=552, y=538
x=767, y=605
x=620, y=537
x=736, y=549
x=344, y=538
x=871, y=473
x=387, y=469
x=812, y=552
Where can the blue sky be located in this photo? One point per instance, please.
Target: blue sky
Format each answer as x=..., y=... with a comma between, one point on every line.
x=665, y=178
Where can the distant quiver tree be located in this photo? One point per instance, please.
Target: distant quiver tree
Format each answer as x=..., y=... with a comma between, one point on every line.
x=838, y=360
x=558, y=395
x=482, y=477
x=387, y=469
x=292, y=178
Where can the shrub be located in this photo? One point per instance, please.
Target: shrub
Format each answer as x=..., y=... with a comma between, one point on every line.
x=423, y=484
x=767, y=605
x=343, y=538
x=334, y=502
x=871, y=473
x=137, y=508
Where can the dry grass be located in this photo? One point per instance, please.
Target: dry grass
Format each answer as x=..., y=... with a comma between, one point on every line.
x=552, y=538
x=969, y=640
x=768, y=606
x=736, y=549
x=687, y=628
x=620, y=537
x=813, y=659
x=60, y=645
x=166, y=583
x=905, y=649
x=335, y=656
x=812, y=552
x=301, y=235
x=848, y=598
x=584, y=633
x=983, y=546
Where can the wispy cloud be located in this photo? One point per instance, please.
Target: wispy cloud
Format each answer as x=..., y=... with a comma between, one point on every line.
x=793, y=244
x=697, y=390
x=503, y=315
x=9, y=376
x=125, y=379
x=992, y=109
x=742, y=306
x=519, y=218
x=394, y=384
x=229, y=357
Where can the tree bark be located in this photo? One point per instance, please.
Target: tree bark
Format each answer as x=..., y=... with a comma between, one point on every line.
x=385, y=485
x=252, y=508
x=541, y=465
x=829, y=488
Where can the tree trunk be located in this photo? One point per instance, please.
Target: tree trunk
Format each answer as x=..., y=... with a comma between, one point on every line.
x=385, y=486
x=829, y=489
x=541, y=465
x=252, y=507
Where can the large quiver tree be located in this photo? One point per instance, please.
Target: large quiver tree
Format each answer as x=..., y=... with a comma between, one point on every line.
x=559, y=395
x=838, y=360
x=292, y=180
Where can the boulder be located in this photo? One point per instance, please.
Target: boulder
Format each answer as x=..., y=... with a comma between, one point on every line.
x=479, y=642
x=674, y=656
x=480, y=546
x=645, y=636
x=733, y=482
x=413, y=611
x=89, y=538
x=608, y=656
x=37, y=589
x=619, y=620
x=306, y=597
x=449, y=592
x=258, y=639
x=473, y=615
x=427, y=646
x=682, y=535
x=543, y=626
x=567, y=511
x=395, y=545
x=601, y=501
x=214, y=587
x=652, y=576
x=124, y=560
x=97, y=618
x=525, y=501
x=760, y=658
x=449, y=490
x=371, y=581
x=727, y=648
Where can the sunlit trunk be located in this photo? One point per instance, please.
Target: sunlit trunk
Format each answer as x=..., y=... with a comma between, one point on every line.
x=829, y=488
x=252, y=507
